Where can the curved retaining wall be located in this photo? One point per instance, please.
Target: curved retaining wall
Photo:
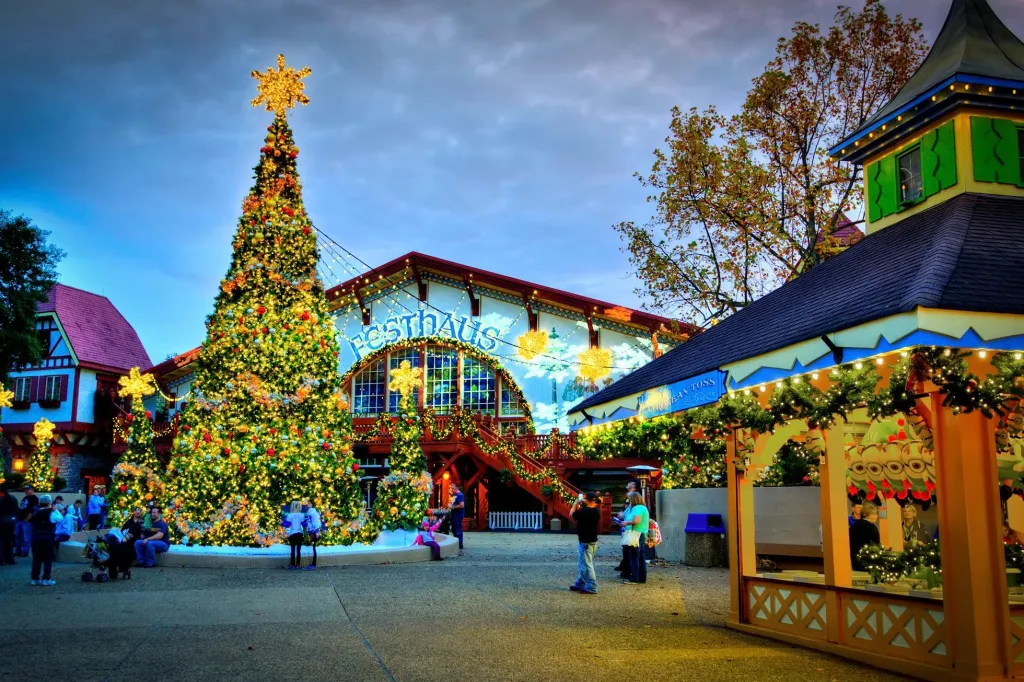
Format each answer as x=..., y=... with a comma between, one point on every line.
x=275, y=556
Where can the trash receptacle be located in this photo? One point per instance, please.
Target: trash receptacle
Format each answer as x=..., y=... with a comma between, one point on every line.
x=705, y=541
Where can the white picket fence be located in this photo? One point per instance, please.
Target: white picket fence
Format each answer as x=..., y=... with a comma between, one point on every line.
x=515, y=520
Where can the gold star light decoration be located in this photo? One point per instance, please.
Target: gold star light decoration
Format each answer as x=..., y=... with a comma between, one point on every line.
x=6, y=398
x=281, y=88
x=136, y=385
x=43, y=430
x=405, y=378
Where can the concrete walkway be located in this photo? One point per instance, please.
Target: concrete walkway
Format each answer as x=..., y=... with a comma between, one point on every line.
x=502, y=611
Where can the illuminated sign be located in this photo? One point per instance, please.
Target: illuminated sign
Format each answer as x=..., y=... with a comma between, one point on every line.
x=424, y=323
x=702, y=389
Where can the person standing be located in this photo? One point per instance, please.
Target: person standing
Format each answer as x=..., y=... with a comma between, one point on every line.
x=638, y=520
x=23, y=531
x=458, y=512
x=586, y=514
x=8, y=521
x=313, y=526
x=294, y=521
x=914, y=532
x=44, y=521
x=864, y=532
x=94, y=509
x=623, y=567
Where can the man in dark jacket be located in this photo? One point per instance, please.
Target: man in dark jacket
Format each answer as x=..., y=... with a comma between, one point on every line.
x=8, y=519
x=587, y=515
x=863, y=533
x=44, y=520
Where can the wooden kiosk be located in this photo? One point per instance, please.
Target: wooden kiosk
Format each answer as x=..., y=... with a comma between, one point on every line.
x=898, y=364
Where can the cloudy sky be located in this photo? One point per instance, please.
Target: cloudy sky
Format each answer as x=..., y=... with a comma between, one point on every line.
x=503, y=135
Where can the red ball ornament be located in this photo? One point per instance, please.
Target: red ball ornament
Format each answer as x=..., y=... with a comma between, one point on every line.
x=241, y=468
x=355, y=466
x=272, y=430
x=130, y=418
x=271, y=451
x=305, y=316
x=227, y=451
x=972, y=385
x=327, y=446
x=187, y=427
x=206, y=438
x=293, y=154
x=124, y=488
x=149, y=415
x=306, y=230
x=261, y=310
x=695, y=468
x=807, y=479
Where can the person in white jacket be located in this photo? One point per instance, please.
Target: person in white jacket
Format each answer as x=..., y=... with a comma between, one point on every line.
x=313, y=526
x=64, y=528
x=293, y=522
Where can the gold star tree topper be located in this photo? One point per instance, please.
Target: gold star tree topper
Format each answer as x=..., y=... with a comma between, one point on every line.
x=405, y=378
x=43, y=430
x=281, y=88
x=136, y=385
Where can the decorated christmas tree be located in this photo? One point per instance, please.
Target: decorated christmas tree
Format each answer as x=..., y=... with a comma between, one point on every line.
x=403, y=496
x=268, y=422
x=40, y=471
x=138, y=475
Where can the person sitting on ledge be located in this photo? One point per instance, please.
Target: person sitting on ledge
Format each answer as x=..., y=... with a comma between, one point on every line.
x=156, y=540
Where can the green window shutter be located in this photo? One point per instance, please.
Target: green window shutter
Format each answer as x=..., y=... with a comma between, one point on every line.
x=883, y=188
x=938, y=159
x=889, y=184
x=930, y=163
x=994, y=148
x=983, y=149
x=1006, y=151
x=945, y=149
x=874, y=191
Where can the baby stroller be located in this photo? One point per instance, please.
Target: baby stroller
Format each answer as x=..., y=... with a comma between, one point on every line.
x=111, y=553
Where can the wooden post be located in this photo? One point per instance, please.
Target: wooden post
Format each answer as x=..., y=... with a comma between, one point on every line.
x=975, y=601
x=835, y=533
x=742, y=556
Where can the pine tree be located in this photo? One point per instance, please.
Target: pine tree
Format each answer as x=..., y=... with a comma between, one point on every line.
x=403, y=496
x=40, y=470
x=268, y=422
x=138, y=475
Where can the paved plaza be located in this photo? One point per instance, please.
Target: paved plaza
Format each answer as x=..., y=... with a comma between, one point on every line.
x=502, y=611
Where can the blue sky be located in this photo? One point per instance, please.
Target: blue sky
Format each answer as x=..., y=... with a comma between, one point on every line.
x=501, y=135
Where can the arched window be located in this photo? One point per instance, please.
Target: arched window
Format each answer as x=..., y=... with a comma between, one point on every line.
x=478, y=386
x=368, y=389
x=442, y=379
x=395, y=360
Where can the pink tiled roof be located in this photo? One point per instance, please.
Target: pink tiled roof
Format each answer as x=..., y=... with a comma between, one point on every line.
x=846, y=232
x=98, y=333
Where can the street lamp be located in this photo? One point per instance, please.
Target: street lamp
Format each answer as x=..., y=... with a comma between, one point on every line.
x=643, y=473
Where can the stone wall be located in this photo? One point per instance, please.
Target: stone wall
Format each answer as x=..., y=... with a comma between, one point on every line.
x=70, y=467
x=784, y=516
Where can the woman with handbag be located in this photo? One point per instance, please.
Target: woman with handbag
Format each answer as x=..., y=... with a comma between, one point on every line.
x=636, y=523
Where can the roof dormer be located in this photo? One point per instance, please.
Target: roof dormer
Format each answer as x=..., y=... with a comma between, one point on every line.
x=956, y=126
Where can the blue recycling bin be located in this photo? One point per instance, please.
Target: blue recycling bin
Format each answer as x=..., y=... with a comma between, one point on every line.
x=705, y=541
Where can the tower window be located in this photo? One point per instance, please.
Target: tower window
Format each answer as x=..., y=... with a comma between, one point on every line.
x=911, y=189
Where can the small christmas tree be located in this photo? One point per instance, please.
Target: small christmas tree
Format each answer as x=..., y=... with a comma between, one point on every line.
x=268, y=422
x=403, y=497
x=6, y=400
x=40, y=470
x=138, y=475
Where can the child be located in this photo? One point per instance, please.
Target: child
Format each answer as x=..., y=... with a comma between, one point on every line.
x=426, y=536
x=313, y=526
x=293, y=522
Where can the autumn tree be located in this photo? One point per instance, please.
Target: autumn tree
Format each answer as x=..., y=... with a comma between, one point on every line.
x=746, y=202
